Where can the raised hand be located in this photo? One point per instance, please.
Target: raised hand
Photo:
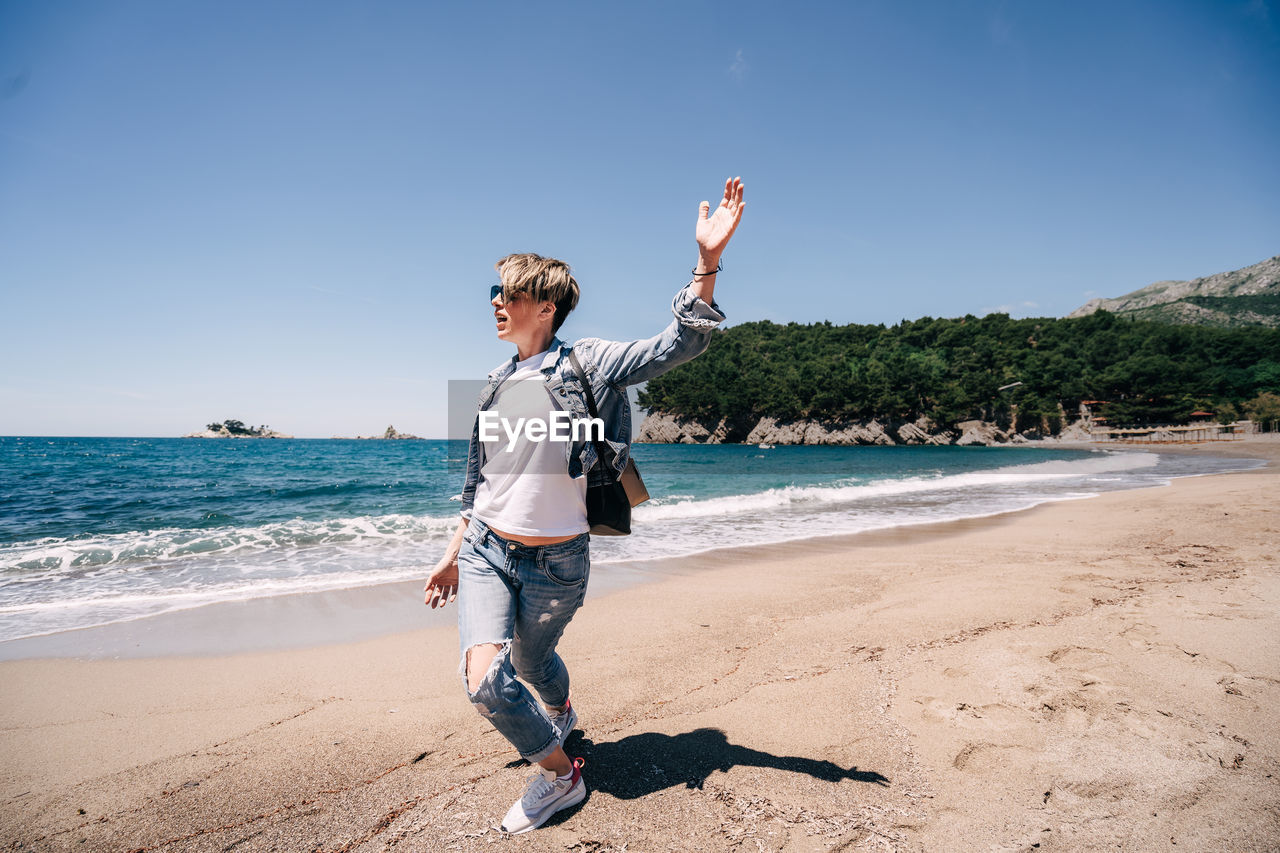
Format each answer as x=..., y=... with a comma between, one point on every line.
x=714, y=230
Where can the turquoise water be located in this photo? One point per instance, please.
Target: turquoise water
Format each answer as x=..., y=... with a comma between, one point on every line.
x=98, y=530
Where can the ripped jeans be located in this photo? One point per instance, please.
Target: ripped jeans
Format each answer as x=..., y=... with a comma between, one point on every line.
x=519, y=597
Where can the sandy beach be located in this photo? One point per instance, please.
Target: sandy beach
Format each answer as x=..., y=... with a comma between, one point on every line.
x=1088, y=675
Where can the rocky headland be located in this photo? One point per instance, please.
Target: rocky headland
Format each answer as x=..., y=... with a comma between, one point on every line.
x=661, y=428
x=1243, y=297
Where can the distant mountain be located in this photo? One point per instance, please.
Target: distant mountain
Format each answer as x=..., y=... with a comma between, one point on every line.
x=1247, y=297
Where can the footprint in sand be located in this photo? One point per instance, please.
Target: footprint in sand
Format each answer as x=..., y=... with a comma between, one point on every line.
x=983, y=757
x=969, y=715
x=1075, y=655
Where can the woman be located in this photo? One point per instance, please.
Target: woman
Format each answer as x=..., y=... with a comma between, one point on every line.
x=518, y=563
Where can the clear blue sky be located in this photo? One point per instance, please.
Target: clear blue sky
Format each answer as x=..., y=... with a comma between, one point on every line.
x=288, y=212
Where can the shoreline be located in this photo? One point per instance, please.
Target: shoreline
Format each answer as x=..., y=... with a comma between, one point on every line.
x=909, y=693
x=288, y=621
x=302, y=619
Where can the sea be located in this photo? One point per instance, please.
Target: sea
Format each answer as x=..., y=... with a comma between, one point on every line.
x=95, y=531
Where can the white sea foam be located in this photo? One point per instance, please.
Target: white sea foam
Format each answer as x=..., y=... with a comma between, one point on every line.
x=152, y=547
x=841, y=492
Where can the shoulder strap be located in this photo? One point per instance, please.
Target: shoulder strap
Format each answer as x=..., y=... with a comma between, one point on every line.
x=586, y=386
x=603, y=451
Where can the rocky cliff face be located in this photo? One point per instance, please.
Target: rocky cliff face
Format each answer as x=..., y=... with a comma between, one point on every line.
x=661, y=428
x=669, y=429
x=980, y=434
x=773, y=431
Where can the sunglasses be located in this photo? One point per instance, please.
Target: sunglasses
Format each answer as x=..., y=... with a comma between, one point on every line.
x=496, y=290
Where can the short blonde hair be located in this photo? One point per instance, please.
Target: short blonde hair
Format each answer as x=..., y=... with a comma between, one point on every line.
x=542, y=279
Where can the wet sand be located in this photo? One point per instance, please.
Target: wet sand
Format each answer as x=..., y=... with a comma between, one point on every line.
x=1086, y=675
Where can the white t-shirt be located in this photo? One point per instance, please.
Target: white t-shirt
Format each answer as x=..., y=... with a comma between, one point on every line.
x=524, y=486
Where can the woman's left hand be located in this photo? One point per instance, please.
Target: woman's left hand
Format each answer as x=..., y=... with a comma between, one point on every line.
x=714, y=230
x=442, y=586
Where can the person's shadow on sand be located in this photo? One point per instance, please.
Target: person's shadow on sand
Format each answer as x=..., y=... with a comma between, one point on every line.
x=647, y=763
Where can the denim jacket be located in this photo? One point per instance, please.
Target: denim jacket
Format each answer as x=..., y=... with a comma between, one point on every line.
x=610, y=367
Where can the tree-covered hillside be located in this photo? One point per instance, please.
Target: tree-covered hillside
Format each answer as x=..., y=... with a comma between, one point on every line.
x=954, y=370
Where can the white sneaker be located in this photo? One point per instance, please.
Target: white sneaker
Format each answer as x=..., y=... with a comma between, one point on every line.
x=545, y=796
x=565, y=721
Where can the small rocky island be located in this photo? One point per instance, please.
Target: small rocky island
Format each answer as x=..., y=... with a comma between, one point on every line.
x=391, y=435
x=236, y=429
